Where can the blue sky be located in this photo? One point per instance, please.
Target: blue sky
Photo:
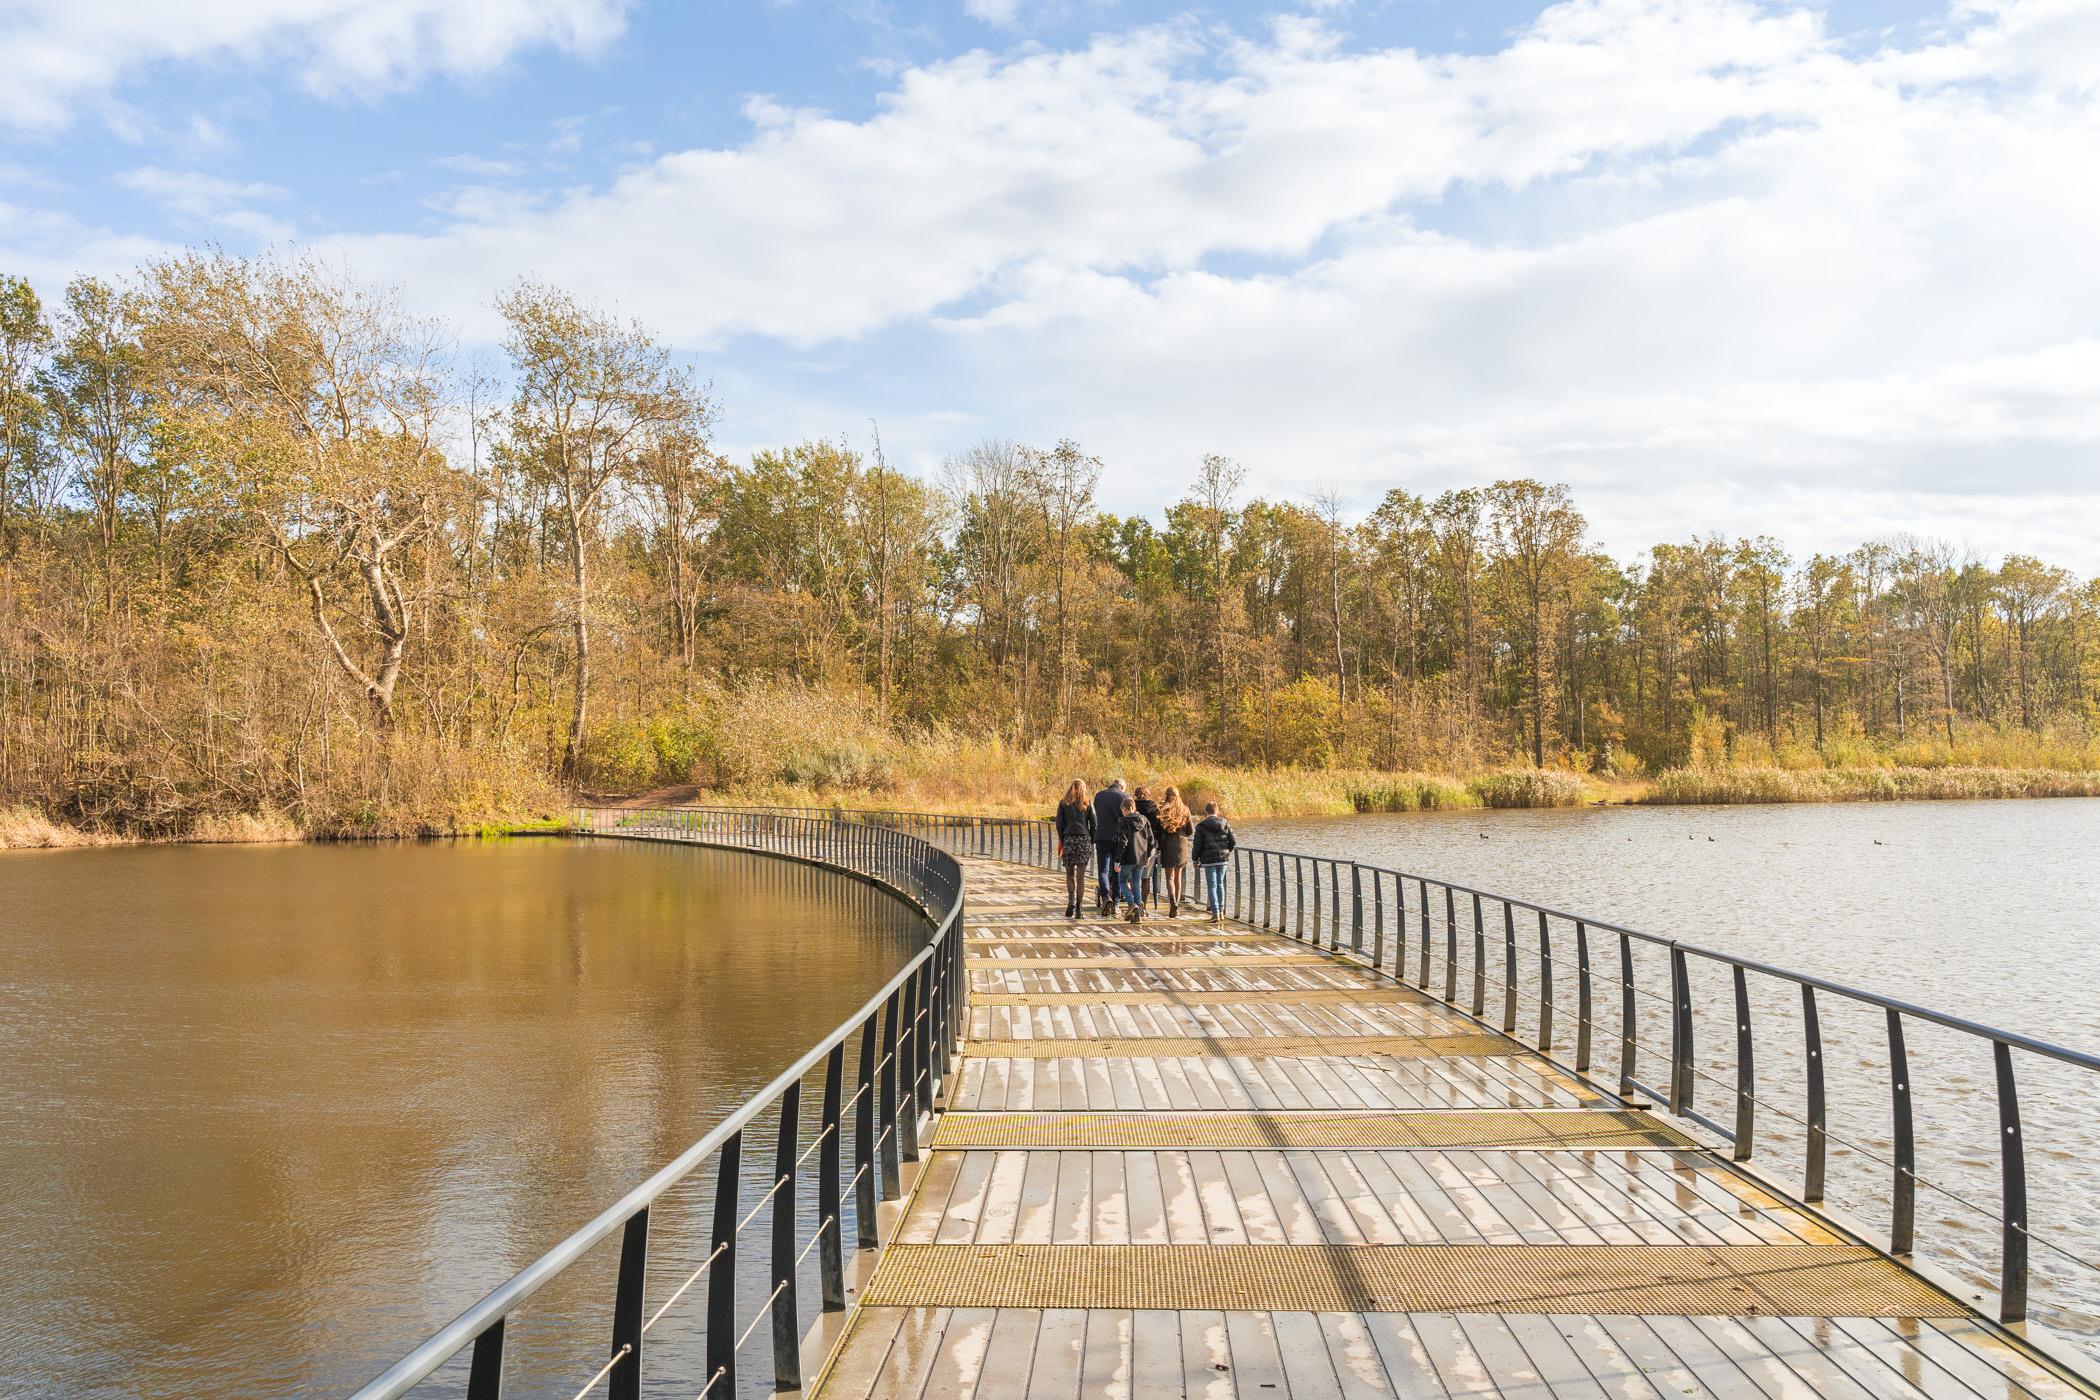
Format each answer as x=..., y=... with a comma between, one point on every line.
x=1817, y=271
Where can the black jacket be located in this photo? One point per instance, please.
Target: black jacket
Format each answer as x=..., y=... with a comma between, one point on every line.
x=1074, y=825
x=1108, y=813
x=1215, y=842
x=1149, y=810
x=1136, y=845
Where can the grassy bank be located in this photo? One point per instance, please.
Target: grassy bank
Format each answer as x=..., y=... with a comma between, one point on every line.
x=1244, y=792
x=785, y=755
x=1863, y=784
x=24, y=828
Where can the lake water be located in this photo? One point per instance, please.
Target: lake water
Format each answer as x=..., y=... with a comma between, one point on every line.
x=270, y=1115
x=1988, y=910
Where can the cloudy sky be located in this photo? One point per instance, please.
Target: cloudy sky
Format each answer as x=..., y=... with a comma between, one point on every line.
x=1823, y=271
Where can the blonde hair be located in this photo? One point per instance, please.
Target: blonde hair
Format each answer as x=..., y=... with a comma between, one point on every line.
x=1173, y=812
x=1075, y=795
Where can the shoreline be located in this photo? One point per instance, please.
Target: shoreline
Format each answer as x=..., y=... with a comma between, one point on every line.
x=1245, y=793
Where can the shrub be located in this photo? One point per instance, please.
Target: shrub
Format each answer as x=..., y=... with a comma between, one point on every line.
x=1527, y=787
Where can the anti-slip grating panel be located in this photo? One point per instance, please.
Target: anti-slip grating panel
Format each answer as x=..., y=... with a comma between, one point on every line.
x=1178, y=960
x=996, y=950
x=1674, y=1280
x=1065, y=939
x=1412, y=1047
x=1168, y=996
x=1579, y=1129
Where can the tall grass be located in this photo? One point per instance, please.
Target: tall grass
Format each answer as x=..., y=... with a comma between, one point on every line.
x=1864, y=784
x=26, y=829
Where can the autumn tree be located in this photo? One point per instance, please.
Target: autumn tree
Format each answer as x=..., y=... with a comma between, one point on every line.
x=593, y=396
x=1537, y=535
x=25, y=339
x=315, y=405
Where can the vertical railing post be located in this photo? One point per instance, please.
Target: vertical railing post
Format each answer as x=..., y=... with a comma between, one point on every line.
x=910, y=1044
x=787, y=1338
x=721, y=1269
x=1509, y=969
x=1421, y=898
x=1903, y=1207
x=923, y=1039
x=1356, y=908
x=1480, y=956
x=1818, y=1122
x=1585, y=1007
x=938, y=993
x=886, y=1111
x=1680, y=1032
x=865, y=1169
x=485, y=1379
x=2012, y=1199
x=1450, y=948
x=1545, y=984
x=1268, y=893
x=625, y=1380
x=831, y=1250
x=1745, y=1071
x=1378, y=916
x=1626, y=1017
x=1316, y=903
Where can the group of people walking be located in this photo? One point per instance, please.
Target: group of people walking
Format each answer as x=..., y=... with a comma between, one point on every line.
x=1134, y=847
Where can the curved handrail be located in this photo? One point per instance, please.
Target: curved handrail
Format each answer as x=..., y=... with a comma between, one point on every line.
x=1270, y=890
x=928, y=991
x=1342, y=894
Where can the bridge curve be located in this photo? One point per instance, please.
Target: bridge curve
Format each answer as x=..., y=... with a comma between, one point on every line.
x=1260, y=1158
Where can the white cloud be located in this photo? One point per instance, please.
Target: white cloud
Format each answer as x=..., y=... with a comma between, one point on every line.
x=479, y=167
x=63, y=52
x=1130, y=153
x=1001, y=13
x=1699, y=259
x=196, y=198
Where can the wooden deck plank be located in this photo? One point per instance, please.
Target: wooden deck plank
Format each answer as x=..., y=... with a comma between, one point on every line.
x=1009, y=1358
x=1232, y=1025
x=964, y=1342
x=1105, y=1362
x=1060, y=1345
x=1409, y=1369
x=1257, y=1369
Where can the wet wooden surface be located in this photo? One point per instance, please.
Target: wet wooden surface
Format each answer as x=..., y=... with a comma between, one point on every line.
x=1209, y=995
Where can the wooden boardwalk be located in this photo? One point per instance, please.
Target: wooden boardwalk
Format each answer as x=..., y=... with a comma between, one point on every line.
x=1196, y=1160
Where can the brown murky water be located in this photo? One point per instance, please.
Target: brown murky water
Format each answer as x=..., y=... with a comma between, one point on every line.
x=268, y=1116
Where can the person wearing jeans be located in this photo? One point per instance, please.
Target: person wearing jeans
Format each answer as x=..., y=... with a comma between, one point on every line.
x=1136, y=850
x=1108, y=820
x=1214, y=844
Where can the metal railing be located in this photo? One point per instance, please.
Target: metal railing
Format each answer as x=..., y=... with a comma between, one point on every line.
x=1437, y=936
x=906, y=1040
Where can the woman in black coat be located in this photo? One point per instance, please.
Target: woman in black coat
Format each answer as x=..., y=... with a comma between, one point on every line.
x=1075, y=843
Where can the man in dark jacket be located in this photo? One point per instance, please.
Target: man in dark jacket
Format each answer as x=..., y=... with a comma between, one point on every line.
x=1108, y=822
x=1214, y=845
x=1137, y=850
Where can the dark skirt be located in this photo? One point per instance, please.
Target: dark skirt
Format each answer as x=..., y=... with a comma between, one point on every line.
x=1080, y=854
x=1173, y=849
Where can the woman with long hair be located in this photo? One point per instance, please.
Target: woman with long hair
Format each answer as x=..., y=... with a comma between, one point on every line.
x=1075, y=843
x=1175, y=826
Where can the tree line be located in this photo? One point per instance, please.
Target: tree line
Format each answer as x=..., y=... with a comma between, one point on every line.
x=269, y=542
